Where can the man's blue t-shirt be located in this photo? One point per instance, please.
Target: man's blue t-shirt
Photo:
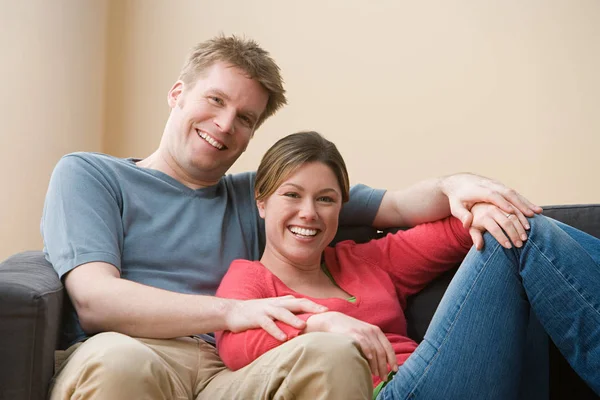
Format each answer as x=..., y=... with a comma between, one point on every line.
x=155, y=230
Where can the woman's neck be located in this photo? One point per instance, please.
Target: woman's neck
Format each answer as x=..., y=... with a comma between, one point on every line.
x=294, y=275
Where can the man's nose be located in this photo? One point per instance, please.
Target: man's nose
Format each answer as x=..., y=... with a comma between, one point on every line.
x=225, y=120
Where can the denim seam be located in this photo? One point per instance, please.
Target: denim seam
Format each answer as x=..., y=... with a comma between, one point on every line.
x=494, y=252
x=533, y=244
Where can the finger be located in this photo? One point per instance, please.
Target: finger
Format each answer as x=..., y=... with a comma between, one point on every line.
x=285, y=316
x=477, y=238
x=522, y=204
x=367, y=351
x=506, y=222
x=499, y=201
x=272, y=329
x=521, y=224
x=302, y=305
x=523, y=219
x=390, y=355
x=494, y=229
x=461, y=212
x=381, y=359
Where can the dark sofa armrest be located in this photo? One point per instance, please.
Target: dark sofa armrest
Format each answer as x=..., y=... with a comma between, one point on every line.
x=31, y=297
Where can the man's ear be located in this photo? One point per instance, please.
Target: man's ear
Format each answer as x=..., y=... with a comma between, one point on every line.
x=174, y=94
x=260, y=204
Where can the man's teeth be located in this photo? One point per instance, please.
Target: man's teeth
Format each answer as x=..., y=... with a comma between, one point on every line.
x=303, y=231
x=210, y=140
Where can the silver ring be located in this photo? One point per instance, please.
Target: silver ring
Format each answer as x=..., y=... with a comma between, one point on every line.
x=508, y=215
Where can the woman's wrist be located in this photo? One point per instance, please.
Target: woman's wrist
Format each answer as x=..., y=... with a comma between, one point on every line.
x=317, y=323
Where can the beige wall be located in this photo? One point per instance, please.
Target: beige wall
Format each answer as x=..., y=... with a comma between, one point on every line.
x=408, y=90
x=52, y=67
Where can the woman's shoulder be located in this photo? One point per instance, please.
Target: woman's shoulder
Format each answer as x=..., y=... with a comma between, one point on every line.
x=245, y=279
x=247, y=267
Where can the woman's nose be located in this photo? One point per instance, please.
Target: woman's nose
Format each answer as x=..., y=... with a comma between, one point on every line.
x=308, y=210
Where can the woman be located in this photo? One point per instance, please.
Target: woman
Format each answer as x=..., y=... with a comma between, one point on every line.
x=476, y=342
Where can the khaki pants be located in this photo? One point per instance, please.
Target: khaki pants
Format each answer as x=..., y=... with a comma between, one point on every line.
x=114, y=366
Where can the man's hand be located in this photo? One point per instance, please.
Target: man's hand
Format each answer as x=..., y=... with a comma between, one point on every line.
x=502, y=226
x=465, y=190
x=372, y=341
x=260, y=313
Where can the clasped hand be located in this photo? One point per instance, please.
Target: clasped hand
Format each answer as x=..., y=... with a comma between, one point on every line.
x=372, y=342
x=483, y=204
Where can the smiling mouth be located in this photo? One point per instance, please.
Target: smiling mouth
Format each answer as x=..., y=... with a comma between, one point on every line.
x=212, y=141
x=303, y=232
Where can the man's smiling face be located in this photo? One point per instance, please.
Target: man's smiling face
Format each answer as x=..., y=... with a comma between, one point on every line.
x=212, y=121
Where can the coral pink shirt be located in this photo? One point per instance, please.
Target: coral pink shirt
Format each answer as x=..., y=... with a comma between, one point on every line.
x=380, y=274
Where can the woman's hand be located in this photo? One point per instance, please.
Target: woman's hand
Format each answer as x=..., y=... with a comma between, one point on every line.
x=373, y=343
x=242, y=315
x=504, y=227
x=466, y=190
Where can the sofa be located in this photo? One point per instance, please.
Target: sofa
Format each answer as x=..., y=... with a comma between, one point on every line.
x=32, y=301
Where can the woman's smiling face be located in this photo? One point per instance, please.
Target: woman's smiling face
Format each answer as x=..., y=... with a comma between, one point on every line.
x=301, y=216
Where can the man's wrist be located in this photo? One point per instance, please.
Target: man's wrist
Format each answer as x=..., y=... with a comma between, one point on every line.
x=224, y=310
x=443, y=184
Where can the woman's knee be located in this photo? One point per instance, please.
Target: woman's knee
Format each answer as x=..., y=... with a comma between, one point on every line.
x=332, y=349
x=333, y=366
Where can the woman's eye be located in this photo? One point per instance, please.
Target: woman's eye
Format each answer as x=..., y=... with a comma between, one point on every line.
x=326, y=199
x=292, y=195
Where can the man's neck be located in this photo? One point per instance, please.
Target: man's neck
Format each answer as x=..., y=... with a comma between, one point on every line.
x=167, y=165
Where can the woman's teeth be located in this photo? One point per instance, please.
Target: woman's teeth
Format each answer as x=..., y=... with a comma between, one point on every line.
x=303, y=231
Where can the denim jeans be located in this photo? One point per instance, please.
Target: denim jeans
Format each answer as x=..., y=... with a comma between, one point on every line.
x=482, y=341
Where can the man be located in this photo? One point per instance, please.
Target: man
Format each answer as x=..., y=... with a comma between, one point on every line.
x=141, y=246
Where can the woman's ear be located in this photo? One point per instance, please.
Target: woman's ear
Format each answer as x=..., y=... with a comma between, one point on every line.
x=260, y=204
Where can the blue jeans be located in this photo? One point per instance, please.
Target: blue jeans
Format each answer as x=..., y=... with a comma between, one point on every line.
x=481, y=341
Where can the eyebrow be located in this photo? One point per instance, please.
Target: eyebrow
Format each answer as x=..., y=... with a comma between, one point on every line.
x=326, y=190
x=222, y=94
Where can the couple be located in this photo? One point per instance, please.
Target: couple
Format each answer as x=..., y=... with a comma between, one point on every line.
x=142, y=245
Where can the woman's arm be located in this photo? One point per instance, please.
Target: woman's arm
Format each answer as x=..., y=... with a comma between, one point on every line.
x=416, y=256
x=433, y=199
x=246, y=280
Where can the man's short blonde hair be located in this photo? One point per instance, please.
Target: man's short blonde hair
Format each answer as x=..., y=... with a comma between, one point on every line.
x=242, y=53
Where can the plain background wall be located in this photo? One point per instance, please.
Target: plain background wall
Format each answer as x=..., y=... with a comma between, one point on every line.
x=408, y=90
x=52, y=68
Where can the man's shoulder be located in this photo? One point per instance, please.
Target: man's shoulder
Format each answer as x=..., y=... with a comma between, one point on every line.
x=97, y=164
x=95, y=158
x=240, y=183
x=240, y=178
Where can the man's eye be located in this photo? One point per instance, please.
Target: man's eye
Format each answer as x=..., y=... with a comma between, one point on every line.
x=216, y=100
x=245, y=120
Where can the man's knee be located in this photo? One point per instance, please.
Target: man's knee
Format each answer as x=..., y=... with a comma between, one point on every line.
x=114, y=356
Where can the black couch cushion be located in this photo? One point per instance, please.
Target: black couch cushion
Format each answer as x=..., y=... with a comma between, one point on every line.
x=28, y=308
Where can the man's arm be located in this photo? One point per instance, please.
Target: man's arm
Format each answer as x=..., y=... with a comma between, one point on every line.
x=438, y=198
x=105, y=302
